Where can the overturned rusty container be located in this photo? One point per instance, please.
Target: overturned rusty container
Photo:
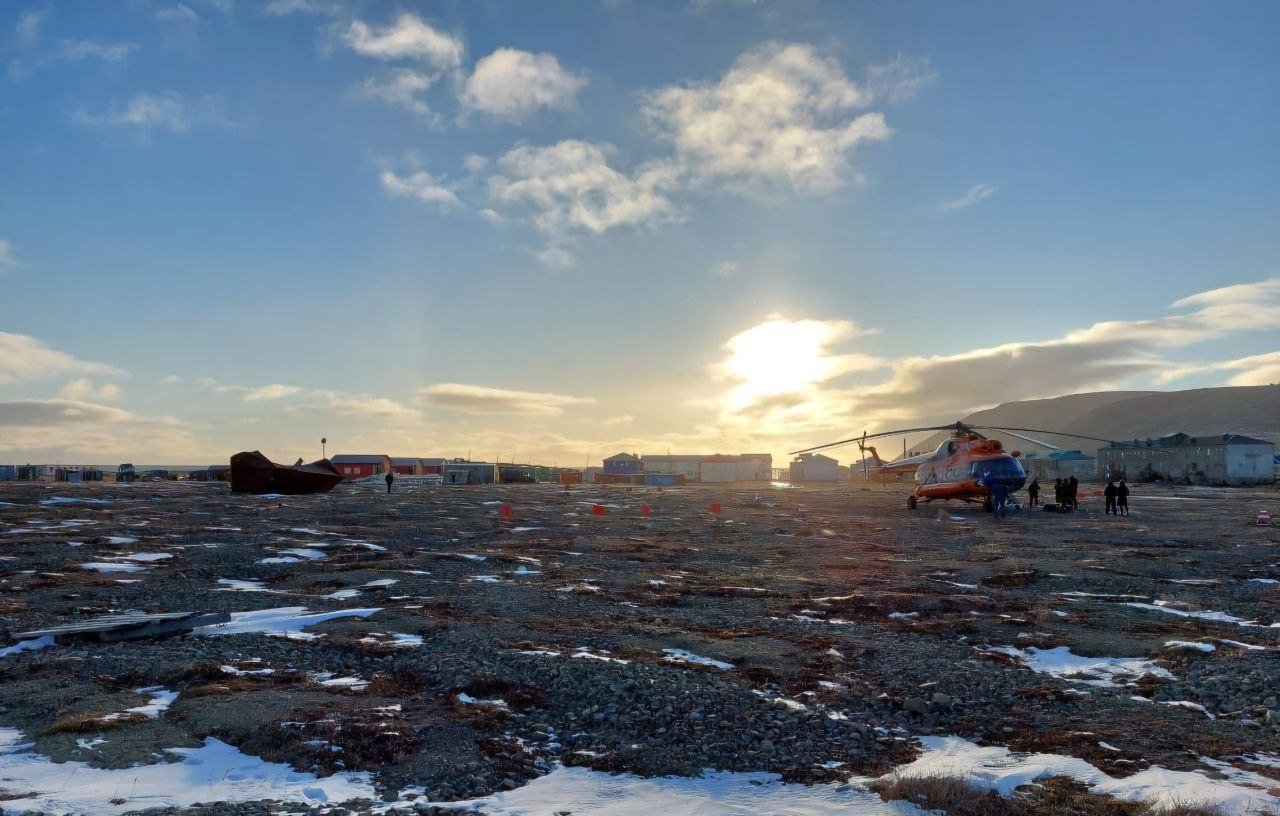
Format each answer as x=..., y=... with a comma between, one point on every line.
x=251, y=472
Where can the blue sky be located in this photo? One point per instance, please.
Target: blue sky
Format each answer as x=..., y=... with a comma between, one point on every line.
x=549, y=229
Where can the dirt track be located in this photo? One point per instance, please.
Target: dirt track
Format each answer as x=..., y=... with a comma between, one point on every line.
x=841, y=624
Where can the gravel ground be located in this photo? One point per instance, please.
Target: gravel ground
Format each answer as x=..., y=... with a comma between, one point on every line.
x=835, y=623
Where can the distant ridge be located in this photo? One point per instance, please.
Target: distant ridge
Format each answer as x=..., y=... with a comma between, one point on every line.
x=1128, y=415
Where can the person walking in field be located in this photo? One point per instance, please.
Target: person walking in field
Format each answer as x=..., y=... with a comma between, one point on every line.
x=1109, y=493
x=1122, y=498
x=1033, y=492
x=390, y=477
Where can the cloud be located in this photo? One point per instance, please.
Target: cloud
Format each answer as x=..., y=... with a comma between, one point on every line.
x=7, y=259
x=613, y=422
x=781, y=116
x=402, y=88
x=810, y=393
x=422, y=186
x=556, y=258
x=83, y=388
x=180, y=14
x=976, y=193
x=283, y=8
x=273, y=391
x=29, y=25
x=73, y=428
x=513, y=85
x=570, y=187
x=901, y=79
x=408, y=38
x=377, y=407
x=725, y=269
x=149, y=112
x=480, y=399
x=26, y=358
x=77, y=50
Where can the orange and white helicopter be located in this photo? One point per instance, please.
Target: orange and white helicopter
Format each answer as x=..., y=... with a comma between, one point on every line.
x=964, y=467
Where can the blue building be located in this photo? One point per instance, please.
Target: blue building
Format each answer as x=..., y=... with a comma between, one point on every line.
x=624, y=464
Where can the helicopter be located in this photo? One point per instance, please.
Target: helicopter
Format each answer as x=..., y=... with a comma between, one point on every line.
x=963, y=467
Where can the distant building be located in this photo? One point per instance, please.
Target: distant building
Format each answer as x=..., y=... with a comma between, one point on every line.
x=687, y=465
x=1226, y=459
x=814, y=467
x=462, y=472
x=1059, y=464
x=623, y=464
x=433, y=466
x=8, y=473
x=718, y=469
x=755, y=467
x=361, y=466
x=406, y=465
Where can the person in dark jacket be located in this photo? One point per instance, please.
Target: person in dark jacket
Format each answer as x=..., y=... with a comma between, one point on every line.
x=1122, y=498
x=390, y=477
x=1073, y=492
x=1109, y=493
x=1033, y=492
x=999, y=494
x=1057, y=493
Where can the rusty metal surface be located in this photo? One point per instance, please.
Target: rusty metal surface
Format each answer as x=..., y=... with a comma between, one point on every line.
x=251, y=472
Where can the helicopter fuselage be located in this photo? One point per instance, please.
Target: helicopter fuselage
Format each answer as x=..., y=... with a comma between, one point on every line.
x=966, y=468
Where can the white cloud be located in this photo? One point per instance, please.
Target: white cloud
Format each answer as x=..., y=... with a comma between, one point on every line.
x=377, y=407
x=901, y=79
x=77, y=50
x=407, y=38
x=402, y=88
x=273, y=391
x=26, y=358
x=283, y=8
x=480, y=399
x=420, y=185
x=513, y=85
x=781, y=116
x=976, y=193
x=615, y=421
x=807, y=393
x=7, y=258
x=72, y=428
x=149, y=112
x=725, y=269
x=180, y=14
x=492, y=216
x=29, y=25
x=82, y=388
x=570, y=187
x=557, y=258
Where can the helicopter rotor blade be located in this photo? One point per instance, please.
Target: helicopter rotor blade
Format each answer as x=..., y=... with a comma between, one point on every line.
x=1115, y=442
x=866, y=436
x=1025, y=438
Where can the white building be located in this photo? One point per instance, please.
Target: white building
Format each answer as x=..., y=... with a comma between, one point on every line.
x=754, y=467
x=1226, y=459
x=719, y=469
x=687, y=465
x=814, y=467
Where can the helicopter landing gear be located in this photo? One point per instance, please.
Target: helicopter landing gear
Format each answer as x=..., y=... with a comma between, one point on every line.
x=911, y=502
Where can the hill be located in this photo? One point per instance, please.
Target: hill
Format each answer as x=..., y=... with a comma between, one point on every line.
x=1121, y=415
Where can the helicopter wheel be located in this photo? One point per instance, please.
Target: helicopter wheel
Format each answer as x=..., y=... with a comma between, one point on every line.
x=911, y=502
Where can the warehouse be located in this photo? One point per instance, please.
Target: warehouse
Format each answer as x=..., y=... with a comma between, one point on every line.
x=1059, y=464
x=814, y=467
x=1224, y=459
x=687, y=465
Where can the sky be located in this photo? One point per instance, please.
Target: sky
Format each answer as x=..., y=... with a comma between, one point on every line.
x=550, y=232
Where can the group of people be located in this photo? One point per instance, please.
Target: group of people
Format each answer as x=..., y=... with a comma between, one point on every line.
x=1117, y=496
x=1066, y=492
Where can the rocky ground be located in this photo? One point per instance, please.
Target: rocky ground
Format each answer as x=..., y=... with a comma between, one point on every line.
x=807, y=632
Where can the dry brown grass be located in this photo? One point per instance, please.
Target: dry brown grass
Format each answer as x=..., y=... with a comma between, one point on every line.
x=86, y=723
x=1058, y=795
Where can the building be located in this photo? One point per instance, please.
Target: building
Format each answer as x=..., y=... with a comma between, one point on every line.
x=687, y=465
x=406, y=465
x=718, y=469
x=755, y=467
x=433, y=466
x=624, y=464
x=1225, y=459
x=814, y=467
x=8, y=473
x=361, y=466
x=1058, y=464
x=462, y=472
